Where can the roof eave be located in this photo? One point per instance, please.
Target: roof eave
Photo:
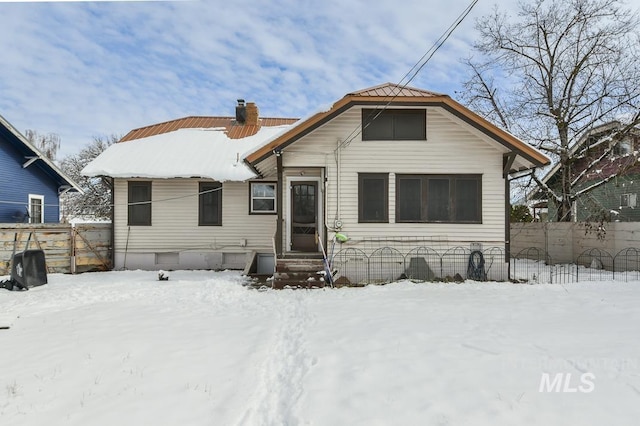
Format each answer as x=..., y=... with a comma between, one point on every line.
x=322, y=117
x=36, y=152
x=527, y=152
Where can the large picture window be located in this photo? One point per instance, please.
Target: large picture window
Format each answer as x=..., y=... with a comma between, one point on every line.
x=394, y=124
x=210, y=204
x=139, y=213
x=373, y=197
x=263, y=198
x=439, y=198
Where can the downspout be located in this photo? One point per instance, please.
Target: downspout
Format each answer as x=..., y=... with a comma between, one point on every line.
x=338, y=176
x=72, y=257
x=111, y=182
x=507, y=163
x=507, y=224
x=280, y=192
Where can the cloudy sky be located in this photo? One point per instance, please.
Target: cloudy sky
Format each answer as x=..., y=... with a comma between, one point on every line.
x=83, y=69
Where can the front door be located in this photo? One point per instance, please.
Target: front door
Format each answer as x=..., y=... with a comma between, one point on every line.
x=304, y=216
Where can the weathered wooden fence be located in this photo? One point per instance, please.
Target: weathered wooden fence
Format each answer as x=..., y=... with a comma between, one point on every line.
x=68, y=248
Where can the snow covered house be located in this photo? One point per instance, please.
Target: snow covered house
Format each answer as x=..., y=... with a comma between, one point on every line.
x=30, y=183
x=388, y=165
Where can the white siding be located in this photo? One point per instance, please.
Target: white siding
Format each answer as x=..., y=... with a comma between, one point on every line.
x=452, y=147
x=175, y=227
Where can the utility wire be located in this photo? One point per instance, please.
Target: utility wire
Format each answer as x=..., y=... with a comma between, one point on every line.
x=410, y=75
x=128, y=204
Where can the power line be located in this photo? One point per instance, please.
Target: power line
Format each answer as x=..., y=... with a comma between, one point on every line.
x=197, y=194
x=410, y=75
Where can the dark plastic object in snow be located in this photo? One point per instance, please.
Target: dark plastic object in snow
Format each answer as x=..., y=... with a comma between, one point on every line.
x=28, y=269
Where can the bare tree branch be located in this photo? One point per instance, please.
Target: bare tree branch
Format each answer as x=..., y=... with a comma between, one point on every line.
x=564, y=67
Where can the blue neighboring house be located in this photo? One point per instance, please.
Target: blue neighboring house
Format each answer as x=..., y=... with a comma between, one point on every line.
x=30, y=183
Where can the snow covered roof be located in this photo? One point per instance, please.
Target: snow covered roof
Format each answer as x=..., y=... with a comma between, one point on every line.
x=184, y=153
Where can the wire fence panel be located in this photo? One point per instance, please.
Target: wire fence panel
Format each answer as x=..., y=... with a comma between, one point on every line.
x=386, y=265
x=423, y=264
x=494, y=264
x=594, y=265
x=627, y=265
x=564, y=274
x=352, y=265
x=531, y=265
x=454, y=264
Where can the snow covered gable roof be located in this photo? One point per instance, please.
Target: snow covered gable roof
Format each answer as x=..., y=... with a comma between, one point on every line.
x=183, y=153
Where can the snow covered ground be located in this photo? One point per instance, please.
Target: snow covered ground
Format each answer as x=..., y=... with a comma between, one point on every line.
x=122, y=348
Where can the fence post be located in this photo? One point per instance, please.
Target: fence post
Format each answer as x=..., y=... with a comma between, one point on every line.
x=72, y=249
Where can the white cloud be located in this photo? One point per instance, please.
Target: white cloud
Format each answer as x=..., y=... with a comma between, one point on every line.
x=88, y=69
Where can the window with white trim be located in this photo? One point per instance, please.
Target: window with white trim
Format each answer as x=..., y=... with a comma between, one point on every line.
x=628, y=200
x=263, y=197
x=622, y=148
x=36, y=208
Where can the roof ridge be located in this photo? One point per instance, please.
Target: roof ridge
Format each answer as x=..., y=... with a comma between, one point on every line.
x=201, y=122
x=396, y=86
x=222, y=117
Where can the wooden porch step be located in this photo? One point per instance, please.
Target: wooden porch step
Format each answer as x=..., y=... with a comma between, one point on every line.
x=299, y=265
x=298, y=273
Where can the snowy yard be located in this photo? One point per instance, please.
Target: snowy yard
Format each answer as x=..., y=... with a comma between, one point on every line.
x=121, y=348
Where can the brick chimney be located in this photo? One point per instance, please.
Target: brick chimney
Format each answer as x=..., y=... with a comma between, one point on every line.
x=252, y=114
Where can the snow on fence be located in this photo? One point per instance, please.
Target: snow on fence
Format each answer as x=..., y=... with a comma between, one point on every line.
x=67, y=248
x=529, y=265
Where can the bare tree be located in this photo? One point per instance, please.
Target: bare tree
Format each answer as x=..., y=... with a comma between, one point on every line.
x=48, y=144
x=553, y=72
x=95, y=203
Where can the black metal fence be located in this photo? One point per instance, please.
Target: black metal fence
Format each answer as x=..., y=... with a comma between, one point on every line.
x=531, y=265
x=388, y=264
x=535, y=265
